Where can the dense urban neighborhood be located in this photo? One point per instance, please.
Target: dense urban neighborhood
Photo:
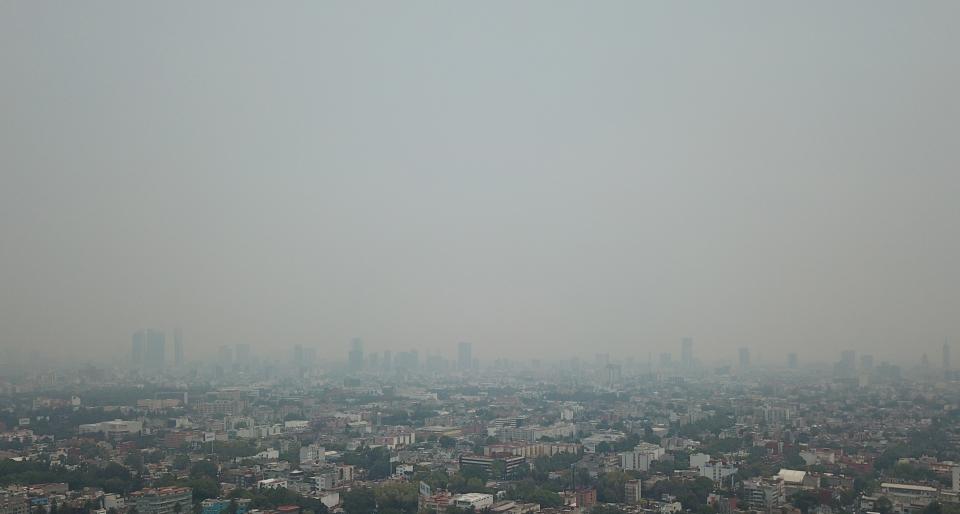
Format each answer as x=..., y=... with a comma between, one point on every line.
x=392, y=433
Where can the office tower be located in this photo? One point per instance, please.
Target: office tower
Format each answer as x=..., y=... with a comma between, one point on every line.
x=614, y=374
x=138, y=348
x=866, y=362
x=241, y=354
x=744, y=357
x=848, y=360
x=666, y=359
x=464, y=356
x=387, y=360
x=309, y=357
x=792, y=361
x=356, y=355
x=297, y=355
x=225, y=356
x=631, y=489
x=154, y=355
x=686, y=352
x=177, y=347
x=946, y=356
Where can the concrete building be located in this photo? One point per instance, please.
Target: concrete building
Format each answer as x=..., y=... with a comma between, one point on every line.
x=464, y=356
x=356, y=355
x=163, y=500
x=764, y=494
x=686, y=352
x=312, y=455
x=178, y=347
x=488, y=464
x=219, y=505
x=632, y=492
x=718, y=471
x=640, y=458
x=115, y=428
x=475, y=501
x=14, y=503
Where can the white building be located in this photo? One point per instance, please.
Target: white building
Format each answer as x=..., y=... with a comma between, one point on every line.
x=312, y=455
x=717, y=471
x=697, y=460
x=475, y=501
x=640, y=458
x=272, y=483
x=117, y=427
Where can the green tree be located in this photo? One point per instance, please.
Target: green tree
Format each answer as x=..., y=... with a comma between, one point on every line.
x=360, y=501
x=204, y=468
x=883, y=505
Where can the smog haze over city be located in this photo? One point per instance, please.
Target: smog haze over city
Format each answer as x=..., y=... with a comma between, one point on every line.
x=539, y=179
x=539, y=257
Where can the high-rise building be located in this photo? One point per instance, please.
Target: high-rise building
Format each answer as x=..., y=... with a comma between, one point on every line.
x=848, y=360
x=666, y=359
x=387, y=360
x=464, y=356
x=792, y=361
x=866, y=362
x=138, y=348
x=631, y=489
x=225, y=356
x=686, y=352
x=166, y=500
x=154, y=350
x=744, y=357
x=356, y=355
x=177, y=347
x=946, y=356
x=241, y=354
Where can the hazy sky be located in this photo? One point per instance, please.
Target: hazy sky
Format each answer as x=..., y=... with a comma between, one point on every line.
x=539, y=178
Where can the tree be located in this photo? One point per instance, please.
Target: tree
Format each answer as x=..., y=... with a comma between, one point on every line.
x=204, y=468
x=804, y=500
x=181, y=461
x=134, y=461
x=883, y=505
x=360, y=501
x=397, y=498
x=177, y=508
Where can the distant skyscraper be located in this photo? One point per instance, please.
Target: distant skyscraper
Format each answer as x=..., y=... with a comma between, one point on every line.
x=138, y=348
x=154, y=356
x=866, y=361
x=792, y=361
x=464, y=356
x=387, y=360
x=946, y=356
x=666, y=359
x=177, y=347
x=848, y=360
x=356, y=355
x=225, y=356
x=744, y=357
x=241, y=354
x=686, y=352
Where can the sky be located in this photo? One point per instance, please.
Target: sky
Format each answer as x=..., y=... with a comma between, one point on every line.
x=542, y=179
